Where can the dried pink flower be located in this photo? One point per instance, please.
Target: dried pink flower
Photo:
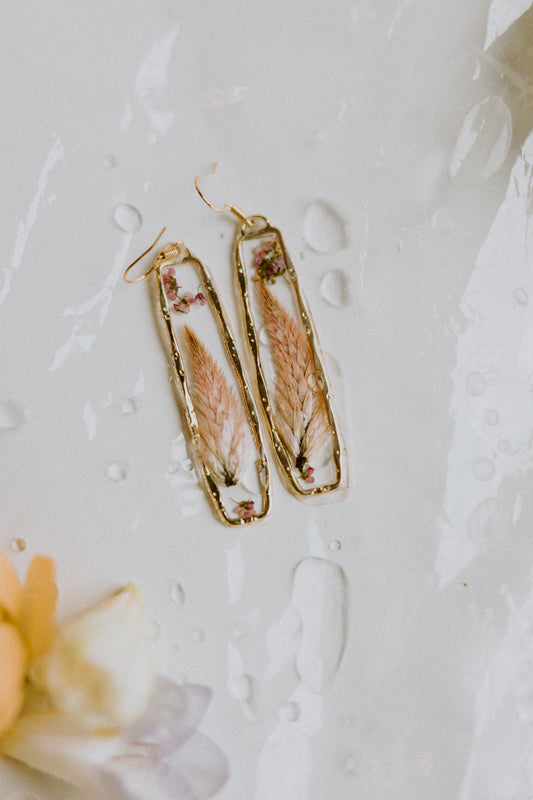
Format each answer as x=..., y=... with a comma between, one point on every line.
x=301, y=418
x=269, y=261
x=307, y=474
x=245, y=509
x=181, y=303
x=222, y=422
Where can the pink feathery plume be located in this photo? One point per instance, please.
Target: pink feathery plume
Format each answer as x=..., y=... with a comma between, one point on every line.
x=222, y=424
x=302, y=418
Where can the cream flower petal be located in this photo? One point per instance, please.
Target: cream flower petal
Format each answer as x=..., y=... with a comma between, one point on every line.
x=99, y=667
x=58, y=744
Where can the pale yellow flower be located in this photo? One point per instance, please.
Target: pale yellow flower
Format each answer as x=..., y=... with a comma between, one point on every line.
x=82, y=701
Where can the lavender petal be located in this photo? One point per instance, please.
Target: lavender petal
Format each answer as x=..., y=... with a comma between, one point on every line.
x=172, y=716
x=138, y=778
x=205, y=766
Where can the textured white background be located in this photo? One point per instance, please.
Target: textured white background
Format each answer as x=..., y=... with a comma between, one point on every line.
x=365, y=106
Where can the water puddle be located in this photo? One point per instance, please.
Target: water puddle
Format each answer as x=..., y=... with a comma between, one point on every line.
x=319, y=596
x=127, y=217
x=335, y=288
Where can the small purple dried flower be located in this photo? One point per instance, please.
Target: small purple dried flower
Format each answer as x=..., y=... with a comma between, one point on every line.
x=181, y=303
x=245, y=509
x=269, y=261
x=307, y=474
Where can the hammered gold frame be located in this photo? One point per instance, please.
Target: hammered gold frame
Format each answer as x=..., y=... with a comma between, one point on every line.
x=174, y=255
x=256, y=227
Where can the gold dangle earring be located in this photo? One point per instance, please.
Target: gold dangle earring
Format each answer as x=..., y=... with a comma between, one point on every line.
x=218, y=407
x=291, y=380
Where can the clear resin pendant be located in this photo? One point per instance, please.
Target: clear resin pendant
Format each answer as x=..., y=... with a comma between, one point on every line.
x=218, y=408
x=291, y=380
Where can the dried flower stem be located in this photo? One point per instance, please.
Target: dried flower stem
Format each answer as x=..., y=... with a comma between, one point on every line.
x=222, y=423
x=302, y=418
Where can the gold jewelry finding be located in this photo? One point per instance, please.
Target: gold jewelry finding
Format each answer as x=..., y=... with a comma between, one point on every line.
x=291, y=380
x=217, y=404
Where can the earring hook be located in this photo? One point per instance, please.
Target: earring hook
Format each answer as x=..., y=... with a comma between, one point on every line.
x=148, y=271
x=234, y=209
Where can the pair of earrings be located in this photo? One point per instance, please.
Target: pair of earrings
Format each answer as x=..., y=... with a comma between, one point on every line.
x=217, y=402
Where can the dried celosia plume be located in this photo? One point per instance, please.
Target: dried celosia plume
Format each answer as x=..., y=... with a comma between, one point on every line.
x=222, y=424
x=301, y=418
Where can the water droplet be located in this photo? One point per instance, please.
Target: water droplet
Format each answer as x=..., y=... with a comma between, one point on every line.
x=198, y=635
x=504, y=445
x=475, y=384
x=109, y=161
x=18, y=545
x=127, y=217
x=441, y=222
x=152, y=630
x=483, y=142
x=130, y=406
x=335, y=288
x=240, y=688
x=491, y=416
x=483, y=469
x=323, y=228
x=319, y=596
x=177, y=594
x=335, y=545
x=117, y=471
x=289, y=712
x=520, y=296
x=12, y=416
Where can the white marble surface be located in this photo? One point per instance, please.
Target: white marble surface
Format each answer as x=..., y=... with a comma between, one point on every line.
x=390, y=141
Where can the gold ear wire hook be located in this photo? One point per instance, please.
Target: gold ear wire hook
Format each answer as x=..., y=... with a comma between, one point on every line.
x=148, y=271
x=234, y=209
